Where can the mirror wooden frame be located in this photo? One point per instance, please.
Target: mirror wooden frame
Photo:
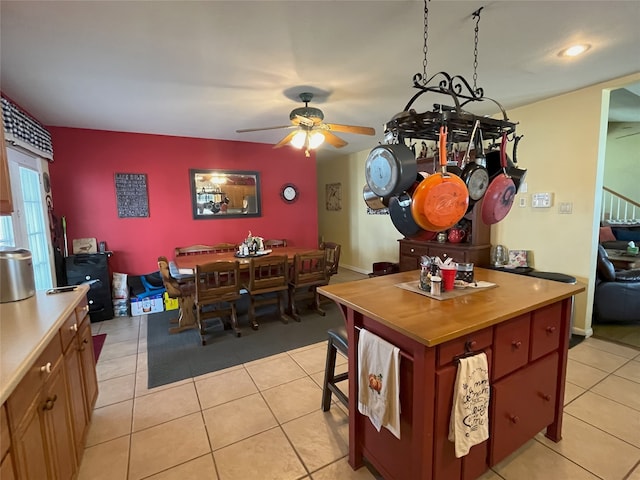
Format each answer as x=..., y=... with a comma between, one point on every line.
x=225, y=194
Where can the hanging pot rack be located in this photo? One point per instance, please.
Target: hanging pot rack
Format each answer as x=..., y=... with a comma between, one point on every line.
x=410, y=124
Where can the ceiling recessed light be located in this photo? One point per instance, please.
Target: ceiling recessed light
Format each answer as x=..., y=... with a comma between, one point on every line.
x=574, y=50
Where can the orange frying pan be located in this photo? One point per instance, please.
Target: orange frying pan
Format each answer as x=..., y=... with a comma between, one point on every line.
x=500, y=194
x=441, y=199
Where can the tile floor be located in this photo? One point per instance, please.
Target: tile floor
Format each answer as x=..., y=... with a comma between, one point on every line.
x=262, y=420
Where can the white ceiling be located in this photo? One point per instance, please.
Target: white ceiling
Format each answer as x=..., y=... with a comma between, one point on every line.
x=206, y=68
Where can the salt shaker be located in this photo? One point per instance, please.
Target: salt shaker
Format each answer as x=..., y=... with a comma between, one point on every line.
x=436, y=285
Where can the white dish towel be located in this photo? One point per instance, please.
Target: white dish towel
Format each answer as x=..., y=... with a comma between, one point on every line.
x=379, y=382
x=469, y=421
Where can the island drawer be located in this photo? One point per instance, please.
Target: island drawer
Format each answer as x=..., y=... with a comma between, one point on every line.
x=68, y=330
x=545, y=330
x=475, y=342
x=82, y=310
x=511, y=345
x=29, y=387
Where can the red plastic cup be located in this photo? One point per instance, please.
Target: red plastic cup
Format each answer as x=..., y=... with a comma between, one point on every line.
x=448, y=278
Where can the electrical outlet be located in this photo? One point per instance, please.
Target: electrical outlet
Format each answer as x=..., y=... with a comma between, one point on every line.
x=565, y=207
x=523, y=202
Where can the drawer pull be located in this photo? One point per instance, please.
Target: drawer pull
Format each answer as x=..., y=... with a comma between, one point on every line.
x=50, y=403
x=413, y=250
x=46, y=368
x=551, y=329
x=471, y=344
x=516, y=344
x=86, y=308
x=84, y=345
x=547, y=397
x=514, y=418
x=74, y=327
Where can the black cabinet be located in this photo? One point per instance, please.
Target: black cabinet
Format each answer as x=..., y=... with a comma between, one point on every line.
x=85, y=268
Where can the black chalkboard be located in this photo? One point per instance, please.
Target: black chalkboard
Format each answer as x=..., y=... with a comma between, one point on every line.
x=131, y=195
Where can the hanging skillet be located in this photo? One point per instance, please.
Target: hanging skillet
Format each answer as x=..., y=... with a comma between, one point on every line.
x=517, y=174
x=501, y=192
x=400, y=211
x=390, y=169
x=441, y=199
x=474, y=175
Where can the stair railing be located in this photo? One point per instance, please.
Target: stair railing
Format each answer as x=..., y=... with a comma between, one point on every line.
x=617, y=208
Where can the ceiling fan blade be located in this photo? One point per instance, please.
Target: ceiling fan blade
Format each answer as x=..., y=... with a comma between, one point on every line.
x=285, y=140
x=265, y=128
x=333, y=140
x=350, y=129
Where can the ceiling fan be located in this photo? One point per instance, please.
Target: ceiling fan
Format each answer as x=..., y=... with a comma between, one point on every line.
x=308, y=129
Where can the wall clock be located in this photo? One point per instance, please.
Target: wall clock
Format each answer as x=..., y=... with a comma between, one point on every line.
x=289, y=193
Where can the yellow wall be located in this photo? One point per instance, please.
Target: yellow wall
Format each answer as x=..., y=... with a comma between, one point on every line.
x=563, y=149
x=622, y=165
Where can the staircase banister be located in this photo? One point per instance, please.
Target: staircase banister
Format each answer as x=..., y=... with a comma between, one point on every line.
x=621, y=197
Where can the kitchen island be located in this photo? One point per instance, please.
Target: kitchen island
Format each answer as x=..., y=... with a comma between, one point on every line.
x=48, y=384
x=522, y=324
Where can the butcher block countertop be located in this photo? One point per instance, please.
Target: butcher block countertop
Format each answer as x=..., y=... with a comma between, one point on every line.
x=432, y=322
x=26, y=328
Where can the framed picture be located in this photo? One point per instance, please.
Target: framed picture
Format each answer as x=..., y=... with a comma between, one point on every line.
x=334, y=196
x=225, y=194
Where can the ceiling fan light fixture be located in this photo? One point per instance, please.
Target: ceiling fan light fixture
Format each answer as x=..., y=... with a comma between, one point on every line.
x=315, y=139
x=299, y=139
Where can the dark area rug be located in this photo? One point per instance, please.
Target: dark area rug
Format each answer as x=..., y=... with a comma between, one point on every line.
x=174, y=357
x=98, y=342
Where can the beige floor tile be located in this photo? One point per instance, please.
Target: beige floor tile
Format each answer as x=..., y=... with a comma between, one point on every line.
x=596, y=358
x=218, y=372
x=165, y=405
x=343, y=471
x=142, y=363
x=201, y=468
x=340, y=368
x=236, y=420
x=311, y=360
x=142, y=344
x=110, y=422
x=602, y=454
x=266, y=456
x=107, y=461
x=158, y=448
x=275, y=372
x=118, y=349
x=120, y=334
x=320, y=438
x=571, y=392
x=142, y=382
x=115, y=390
x=620, y=350
x=607, y=415
x=232, y=385
x=322, y=344
x=621, y=390
x=116, y=367
x=534, y=461
x=265, y=359
x=294, y=399
x=583, y=375
x=489, y=475
x=630, y=371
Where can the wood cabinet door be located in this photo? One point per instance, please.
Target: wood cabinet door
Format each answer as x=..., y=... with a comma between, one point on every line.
x=6, y=468
x=29, y=445
x=75, y=381
x=88, y=362
x=57, y=419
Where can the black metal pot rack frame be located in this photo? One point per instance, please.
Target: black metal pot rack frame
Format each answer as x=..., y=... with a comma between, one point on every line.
x=410, y=124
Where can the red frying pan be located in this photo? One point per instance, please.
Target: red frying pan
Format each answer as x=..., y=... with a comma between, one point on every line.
x=441, y=199
x=500, y=194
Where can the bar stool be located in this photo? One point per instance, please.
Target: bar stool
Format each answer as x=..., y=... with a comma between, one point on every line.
x=337, y=341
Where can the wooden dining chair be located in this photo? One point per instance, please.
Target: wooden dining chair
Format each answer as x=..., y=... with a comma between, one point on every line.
x=275, y=243
x=309, y=272
x=217, y=290
x=332, y=256
x=267, y=275
x=183, y=292
x=203, y=249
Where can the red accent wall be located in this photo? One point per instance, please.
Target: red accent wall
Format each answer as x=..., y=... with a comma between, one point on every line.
x=83, y=189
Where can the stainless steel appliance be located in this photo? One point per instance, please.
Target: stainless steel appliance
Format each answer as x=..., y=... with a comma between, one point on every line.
x=16, y=275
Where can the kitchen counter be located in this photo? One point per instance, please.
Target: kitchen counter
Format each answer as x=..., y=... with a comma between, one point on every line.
x=26, y=328
x=521, y=324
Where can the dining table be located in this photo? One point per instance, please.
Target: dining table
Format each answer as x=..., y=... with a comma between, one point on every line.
x=183, y=268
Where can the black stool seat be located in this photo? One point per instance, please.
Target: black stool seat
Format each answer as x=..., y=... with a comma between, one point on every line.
x=558, y=277
x=337, y=342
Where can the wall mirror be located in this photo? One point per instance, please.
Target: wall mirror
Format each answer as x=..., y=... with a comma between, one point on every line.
x=225, y=194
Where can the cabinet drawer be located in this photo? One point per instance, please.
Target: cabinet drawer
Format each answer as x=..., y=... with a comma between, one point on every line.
x=511, y=345
x=82, y=310
x=474, y=341
x=445, y=251
x=5, y=439
x=29, y=387
x=413, y=249
x=522, y=405
x=69, y=330
x=545, y=330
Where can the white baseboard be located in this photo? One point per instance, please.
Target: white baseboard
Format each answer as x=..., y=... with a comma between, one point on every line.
x=582, y=332
x=355, y=269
